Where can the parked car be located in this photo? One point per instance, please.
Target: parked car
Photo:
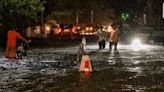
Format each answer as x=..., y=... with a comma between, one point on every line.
x=66, y=31
x=88, y=30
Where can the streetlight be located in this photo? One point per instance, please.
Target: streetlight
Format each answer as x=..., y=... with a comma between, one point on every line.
x=124, y=15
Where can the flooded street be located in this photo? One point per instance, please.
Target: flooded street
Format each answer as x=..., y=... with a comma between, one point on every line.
x=57, y=70
x=82, y=45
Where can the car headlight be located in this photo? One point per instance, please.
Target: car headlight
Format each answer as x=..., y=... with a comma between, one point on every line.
x=87, y=28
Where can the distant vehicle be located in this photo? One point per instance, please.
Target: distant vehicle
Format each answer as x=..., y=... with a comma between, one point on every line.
x=88, y=30
x=157, y=37
x=66, y=31
x=143, y=34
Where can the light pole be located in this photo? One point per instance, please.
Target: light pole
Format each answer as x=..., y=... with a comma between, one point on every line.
x=77, y=18
x=91, y=16
x=42, y=22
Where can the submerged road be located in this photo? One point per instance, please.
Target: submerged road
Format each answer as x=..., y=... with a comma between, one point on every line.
x=57, y=70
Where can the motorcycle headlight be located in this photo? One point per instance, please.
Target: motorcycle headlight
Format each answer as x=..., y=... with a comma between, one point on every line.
x=136, y=42
x=137, y=45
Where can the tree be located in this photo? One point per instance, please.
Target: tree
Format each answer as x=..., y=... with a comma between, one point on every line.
x=18, y=13
x=19, y=10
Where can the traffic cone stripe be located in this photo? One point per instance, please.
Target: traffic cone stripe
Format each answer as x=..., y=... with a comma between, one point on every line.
x=86, y=69
x=86, y=64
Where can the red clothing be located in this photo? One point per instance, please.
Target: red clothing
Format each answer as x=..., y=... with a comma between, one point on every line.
x=12, y=38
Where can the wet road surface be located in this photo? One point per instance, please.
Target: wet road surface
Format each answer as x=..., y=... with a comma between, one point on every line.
x=57, y=70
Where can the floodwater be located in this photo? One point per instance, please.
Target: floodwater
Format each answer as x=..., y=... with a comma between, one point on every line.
x=57, y=70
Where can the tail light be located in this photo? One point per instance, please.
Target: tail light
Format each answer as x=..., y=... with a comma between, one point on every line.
x=74, y=30
x=58, y=30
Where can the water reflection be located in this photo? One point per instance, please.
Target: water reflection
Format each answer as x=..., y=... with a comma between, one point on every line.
x=85, y=83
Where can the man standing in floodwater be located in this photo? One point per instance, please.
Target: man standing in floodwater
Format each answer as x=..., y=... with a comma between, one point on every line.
x=12, y=37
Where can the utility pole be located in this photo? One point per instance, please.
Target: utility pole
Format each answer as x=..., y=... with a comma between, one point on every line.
x=91, y=16
x=77, y=18
x=144, y=19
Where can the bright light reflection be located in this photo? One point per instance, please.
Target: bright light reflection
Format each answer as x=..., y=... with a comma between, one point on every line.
x=109, y=28
x=135, y=69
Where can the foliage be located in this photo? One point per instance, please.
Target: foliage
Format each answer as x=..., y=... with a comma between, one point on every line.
x=16, y=12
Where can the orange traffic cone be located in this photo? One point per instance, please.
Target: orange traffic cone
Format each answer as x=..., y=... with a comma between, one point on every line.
x=86, y=69
x=85, y=65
